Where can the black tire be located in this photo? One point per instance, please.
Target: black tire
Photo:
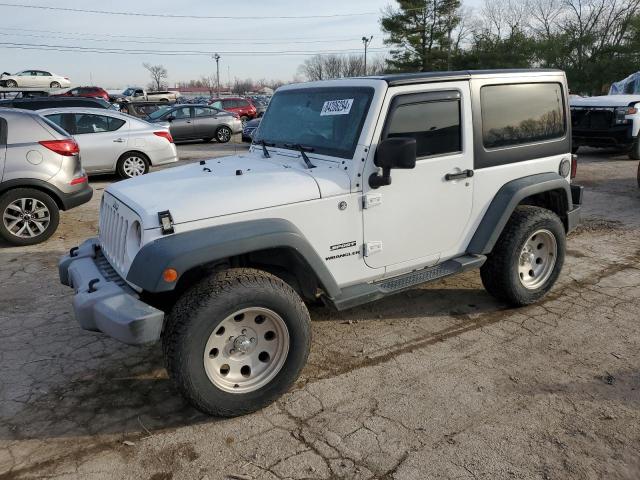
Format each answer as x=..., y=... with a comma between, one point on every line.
x=55, y=85
x=634, y=152
x=122, y=170
x=198, y=313
x=223, y=134
x=500, y=275
x=11, y=83
x=28, y=193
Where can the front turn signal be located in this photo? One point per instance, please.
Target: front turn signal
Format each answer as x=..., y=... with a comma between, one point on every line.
x=170, y=275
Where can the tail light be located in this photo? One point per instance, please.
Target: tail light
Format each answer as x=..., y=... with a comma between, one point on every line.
x=164, y=134
x=574, y=165
x=67, y=147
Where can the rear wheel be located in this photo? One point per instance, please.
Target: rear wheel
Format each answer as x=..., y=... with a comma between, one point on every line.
x=634, y=153
x=132, y=164
x=55, y=85
x=223, y=134
x=236, y=341
x=28, y=216
x=527, y=258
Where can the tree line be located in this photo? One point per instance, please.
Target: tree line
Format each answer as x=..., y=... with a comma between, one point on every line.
x=596, y=42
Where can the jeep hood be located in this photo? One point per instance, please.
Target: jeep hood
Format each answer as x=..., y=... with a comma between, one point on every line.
x=605, y=101
x=226, y=186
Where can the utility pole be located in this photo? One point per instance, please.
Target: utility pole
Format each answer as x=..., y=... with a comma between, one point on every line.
x=216, y=57
x=366, y=42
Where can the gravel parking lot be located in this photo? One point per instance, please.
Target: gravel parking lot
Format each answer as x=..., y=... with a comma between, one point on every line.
x=438, y=382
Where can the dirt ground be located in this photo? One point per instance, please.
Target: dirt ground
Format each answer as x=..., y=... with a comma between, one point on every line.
x=439, y=382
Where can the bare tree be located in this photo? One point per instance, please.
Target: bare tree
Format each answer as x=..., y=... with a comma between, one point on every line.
x=313, y=68
x=242, y=86
x=353, y=66
x=209, y=82
x=158, y=76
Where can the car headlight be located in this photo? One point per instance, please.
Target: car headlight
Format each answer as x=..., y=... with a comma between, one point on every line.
x=134, y=239
x=622, y=112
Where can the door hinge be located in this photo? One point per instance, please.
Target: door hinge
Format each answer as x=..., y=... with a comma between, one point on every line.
x=371, y=200
x=371, y=248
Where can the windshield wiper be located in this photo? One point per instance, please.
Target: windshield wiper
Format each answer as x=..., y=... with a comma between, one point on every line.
x=264, y=144
x=302, y=149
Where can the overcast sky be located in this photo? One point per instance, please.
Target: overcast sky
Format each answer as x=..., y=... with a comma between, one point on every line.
x=27, y=27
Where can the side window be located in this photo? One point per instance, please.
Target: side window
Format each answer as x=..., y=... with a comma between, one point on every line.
x=96, y=123
x=203, y=112
x=435, y=125
x=217, y=104
x=228, y=104
x=183, y=112
x=521, y=113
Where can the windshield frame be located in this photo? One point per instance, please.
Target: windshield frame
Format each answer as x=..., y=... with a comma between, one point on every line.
x=319, y=150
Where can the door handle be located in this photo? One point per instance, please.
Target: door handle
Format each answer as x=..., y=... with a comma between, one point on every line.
x=119, y=140
x=458, y=176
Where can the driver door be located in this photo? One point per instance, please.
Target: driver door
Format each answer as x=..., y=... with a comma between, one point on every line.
x=421, y=216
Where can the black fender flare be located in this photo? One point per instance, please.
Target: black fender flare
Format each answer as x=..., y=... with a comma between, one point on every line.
x=506, y=201
x=184, y=251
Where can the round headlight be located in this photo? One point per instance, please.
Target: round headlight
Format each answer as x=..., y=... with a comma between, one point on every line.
x=134, y=239
x=565, y=168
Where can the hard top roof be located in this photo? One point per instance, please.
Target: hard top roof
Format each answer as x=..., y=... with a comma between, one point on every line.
x=425, y=77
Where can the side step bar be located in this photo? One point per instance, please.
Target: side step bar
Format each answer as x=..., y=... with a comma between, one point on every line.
x=364, y=293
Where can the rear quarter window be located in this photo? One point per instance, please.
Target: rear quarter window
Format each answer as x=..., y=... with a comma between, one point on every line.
x=517, y=114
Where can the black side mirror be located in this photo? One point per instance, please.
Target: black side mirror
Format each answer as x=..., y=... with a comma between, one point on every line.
x=170, y=118
x=399, y=152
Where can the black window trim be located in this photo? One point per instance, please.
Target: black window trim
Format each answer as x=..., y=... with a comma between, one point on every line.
x=4, y=130
x=525, y=144
x=402, y=99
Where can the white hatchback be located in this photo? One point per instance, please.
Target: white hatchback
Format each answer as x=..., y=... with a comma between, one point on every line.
x=111, y=141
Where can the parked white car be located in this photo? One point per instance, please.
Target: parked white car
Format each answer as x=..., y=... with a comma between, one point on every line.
x=34, y=78
x=111, y=141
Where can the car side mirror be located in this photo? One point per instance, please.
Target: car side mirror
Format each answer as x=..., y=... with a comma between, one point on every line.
x=170, y=118
x=398, y=152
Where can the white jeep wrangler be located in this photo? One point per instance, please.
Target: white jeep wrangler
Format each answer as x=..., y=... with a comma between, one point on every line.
x=352, y=190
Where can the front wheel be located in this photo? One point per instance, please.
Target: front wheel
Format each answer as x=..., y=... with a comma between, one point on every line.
x=223, y=134
x=11, y=83
x=236, y=341
x=634, y=153
x=28, y=216
x=527, y=258
x=132, y=164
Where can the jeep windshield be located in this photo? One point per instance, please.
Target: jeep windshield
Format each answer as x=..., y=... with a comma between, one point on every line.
x=327, y=121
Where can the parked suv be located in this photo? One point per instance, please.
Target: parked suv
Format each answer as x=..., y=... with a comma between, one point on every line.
x=40, y=174
x=89, y=92
x=241, y=106
x=352, y=190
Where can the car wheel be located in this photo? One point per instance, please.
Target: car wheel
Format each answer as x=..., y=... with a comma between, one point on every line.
x=236, y=341
x=11, y=83
x=28, y=216
x=223, y=134
x=527, y=258
x=133, y=164
x=55, y=85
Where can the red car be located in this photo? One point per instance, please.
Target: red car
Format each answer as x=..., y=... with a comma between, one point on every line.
x=92, y=92
x=238, y=105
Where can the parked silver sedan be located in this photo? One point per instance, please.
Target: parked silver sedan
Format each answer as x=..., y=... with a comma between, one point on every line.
x=192, y=122
x=111, y=141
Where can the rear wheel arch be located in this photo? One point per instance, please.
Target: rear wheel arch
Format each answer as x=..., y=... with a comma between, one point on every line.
x=36, y=185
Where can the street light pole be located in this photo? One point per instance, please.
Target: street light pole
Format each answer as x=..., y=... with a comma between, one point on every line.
x=216, y=57
x=366, y=42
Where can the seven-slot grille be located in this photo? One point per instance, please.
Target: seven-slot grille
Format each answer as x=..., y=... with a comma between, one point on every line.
x=115, y=219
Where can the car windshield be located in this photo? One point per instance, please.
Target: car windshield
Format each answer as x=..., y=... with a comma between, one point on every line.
x=324, y=120
x=159, y=113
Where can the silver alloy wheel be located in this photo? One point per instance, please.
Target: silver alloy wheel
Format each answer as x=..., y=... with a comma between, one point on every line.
x=26, y=217
x=223, y=135
x=134, y=166
x=246, y=350
x=537, y=259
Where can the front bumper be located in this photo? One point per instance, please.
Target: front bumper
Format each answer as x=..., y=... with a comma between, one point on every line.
x=614, y=136
x=103, y=301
